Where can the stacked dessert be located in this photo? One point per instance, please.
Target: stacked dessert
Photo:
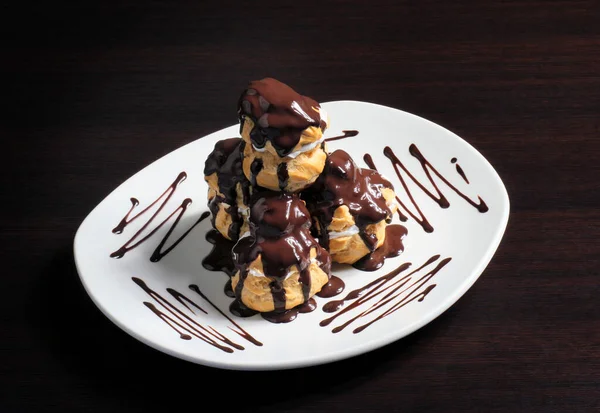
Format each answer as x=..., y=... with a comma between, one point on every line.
x=279, y=264
x=291, y=206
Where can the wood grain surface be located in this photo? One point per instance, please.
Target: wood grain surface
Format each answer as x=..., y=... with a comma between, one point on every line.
x=93, y=92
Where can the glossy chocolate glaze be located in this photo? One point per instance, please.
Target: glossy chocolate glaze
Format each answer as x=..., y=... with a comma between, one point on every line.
x=392, y=247
x=282, y=175
x=334, y=286
x=185, y=325
x=279, y=114
x=219, y=258
x=344, y=183
x=280, y=233
x=255, y=167
x=137, y=238
x=291, y=314
x=369, y=161
x=394, y=292
x=226, y=161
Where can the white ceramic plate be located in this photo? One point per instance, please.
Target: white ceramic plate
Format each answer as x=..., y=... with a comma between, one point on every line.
x=461, y=232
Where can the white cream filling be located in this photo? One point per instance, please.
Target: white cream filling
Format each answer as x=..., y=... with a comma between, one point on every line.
x=257, y=273
x=304, y=148
x=353, y=230
x=391, y=203
x=243, y=210
x=264, y=148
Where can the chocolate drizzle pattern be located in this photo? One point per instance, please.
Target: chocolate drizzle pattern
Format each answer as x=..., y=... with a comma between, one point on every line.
x=279, y=114
x=440, y=199
x=460, y=171
x=346, y=134
x=392, y=291
x=187, y=326
x=344, y=183
x=138, y=239
x=226, y=161
x=280, y=234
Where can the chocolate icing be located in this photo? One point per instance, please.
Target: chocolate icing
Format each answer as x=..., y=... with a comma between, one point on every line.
x=280, y=233
x=279, y=114
x=392, y=247
x=282, y=175
x=369, y=161
x=220, y=258
x=344, y=183
x=255, y=167
x=334, y=286
x=226, y=161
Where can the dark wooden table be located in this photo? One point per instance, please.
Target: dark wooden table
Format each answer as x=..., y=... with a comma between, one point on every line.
x=94, y=92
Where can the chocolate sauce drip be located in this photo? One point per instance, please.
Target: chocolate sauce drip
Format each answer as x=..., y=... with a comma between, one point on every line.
x=334, y=286
x=255, y=167
x=184, y=324
x=278, y=293
x=279, y=114
x=239, y=309
x=282, y=175
x=291, y=314
x=136, y=240
x=228, y=289
x=392, y=247
x=226, y=161
x=344, y=183
x=279, y=233
x=460, y=171
x=220, y=257
x=394, y=293
x=347, y=134
x=308, y=306
x=369, y=161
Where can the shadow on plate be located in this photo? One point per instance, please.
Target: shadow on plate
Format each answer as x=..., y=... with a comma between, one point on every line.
x=113, y=363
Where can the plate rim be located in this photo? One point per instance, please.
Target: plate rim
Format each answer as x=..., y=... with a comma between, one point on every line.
x=321, y=358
